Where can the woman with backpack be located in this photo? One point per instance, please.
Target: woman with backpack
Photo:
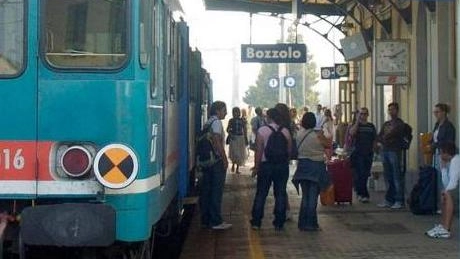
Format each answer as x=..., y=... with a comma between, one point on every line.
x=271, y=163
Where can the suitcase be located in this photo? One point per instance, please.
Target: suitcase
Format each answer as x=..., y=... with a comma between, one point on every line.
x=341, y=176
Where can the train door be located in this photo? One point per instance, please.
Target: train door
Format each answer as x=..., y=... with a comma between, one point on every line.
x=18, y=105
x=156, y=93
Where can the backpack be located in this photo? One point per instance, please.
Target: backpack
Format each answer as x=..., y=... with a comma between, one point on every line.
x=407, y=136
x=276, y=149
x=206, y=155
x=423, y=197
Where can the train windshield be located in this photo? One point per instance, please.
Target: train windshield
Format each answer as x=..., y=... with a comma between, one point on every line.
x=85, y=33
x=11, y=37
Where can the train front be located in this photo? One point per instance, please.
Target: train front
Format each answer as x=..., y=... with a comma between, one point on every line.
x=79, y=119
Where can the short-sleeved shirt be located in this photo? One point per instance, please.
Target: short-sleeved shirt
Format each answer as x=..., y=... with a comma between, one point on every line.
x=217, y=127
x=264, y=133
x=364, y=138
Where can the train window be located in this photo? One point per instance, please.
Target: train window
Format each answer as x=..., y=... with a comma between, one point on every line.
x=11, y=38
x=155, y=82
x=85, y=33
x=144, y=30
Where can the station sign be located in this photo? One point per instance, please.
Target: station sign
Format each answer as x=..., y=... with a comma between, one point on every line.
x=274, y=53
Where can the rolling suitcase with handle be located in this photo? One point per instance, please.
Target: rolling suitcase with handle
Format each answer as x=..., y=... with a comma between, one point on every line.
x=341, y=176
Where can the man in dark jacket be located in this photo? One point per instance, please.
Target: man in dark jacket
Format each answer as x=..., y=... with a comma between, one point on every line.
x=390, y=139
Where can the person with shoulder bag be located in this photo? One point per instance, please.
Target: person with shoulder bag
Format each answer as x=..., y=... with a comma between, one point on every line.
x=311, y=174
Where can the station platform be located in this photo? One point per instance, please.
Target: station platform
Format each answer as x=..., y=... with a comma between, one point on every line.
x=347, y=231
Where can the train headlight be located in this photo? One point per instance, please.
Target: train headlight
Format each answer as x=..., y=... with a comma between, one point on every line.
x=76, y=161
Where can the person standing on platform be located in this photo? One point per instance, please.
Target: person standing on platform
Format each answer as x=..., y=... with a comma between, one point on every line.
x=364, y=134
x=286, y=121
x=213, y=179
x=237, y=139
x=311, y=172
x=256, y=122
x=319, y=116
x=269, y=171
x=444, y=131
x=328, y=129
x=390, y=138
x=450, y=170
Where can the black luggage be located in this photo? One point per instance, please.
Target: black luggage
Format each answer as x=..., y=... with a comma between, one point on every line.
x=423, y=197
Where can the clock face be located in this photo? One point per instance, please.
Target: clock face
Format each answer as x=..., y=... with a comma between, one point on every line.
x=392, y=57
x=325, y=73
x=341, y=69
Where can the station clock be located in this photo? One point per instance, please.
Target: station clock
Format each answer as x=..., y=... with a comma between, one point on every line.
x=392, y=58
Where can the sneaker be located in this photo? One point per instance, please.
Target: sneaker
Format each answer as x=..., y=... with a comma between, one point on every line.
x=359, y=198
x=439, y=232
x=433, y=230
x=222, y=226
x=384, y=204
x=397, y=205
x=364, y=199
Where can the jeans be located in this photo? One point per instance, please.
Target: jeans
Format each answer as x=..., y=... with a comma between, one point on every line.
x=394, y=177
x=212, y=188
x=268, y=173
x=308, y=218
x=362, y=168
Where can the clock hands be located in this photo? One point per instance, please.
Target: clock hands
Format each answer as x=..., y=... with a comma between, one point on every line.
x=395, y=54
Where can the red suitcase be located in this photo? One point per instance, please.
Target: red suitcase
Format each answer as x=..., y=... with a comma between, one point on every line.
x=341, y=176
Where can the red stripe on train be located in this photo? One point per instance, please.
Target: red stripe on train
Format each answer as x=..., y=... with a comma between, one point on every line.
x=18, y=160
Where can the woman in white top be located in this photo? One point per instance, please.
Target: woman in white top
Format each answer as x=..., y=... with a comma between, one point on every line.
x=311, y=173
x=450, y=170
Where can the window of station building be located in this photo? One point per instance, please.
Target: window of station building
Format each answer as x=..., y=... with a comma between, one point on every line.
x=85, y=34
x=12, y=38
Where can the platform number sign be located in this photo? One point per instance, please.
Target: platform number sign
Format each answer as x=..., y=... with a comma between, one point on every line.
x=273, y=82
x=289, y=81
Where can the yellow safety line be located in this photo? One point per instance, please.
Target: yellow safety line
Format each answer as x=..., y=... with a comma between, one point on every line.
x=255, y=249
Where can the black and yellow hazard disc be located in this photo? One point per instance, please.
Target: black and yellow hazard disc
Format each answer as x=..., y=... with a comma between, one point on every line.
x=115, y=166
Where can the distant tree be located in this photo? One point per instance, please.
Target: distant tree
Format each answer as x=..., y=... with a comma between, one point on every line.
x=305, y=74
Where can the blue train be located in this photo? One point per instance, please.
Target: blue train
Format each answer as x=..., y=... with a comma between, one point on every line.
x=100, y=104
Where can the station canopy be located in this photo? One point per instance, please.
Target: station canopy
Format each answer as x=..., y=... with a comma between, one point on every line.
x=315, y=7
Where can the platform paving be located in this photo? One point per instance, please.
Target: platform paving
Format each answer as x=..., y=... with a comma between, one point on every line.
x=347, y=231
